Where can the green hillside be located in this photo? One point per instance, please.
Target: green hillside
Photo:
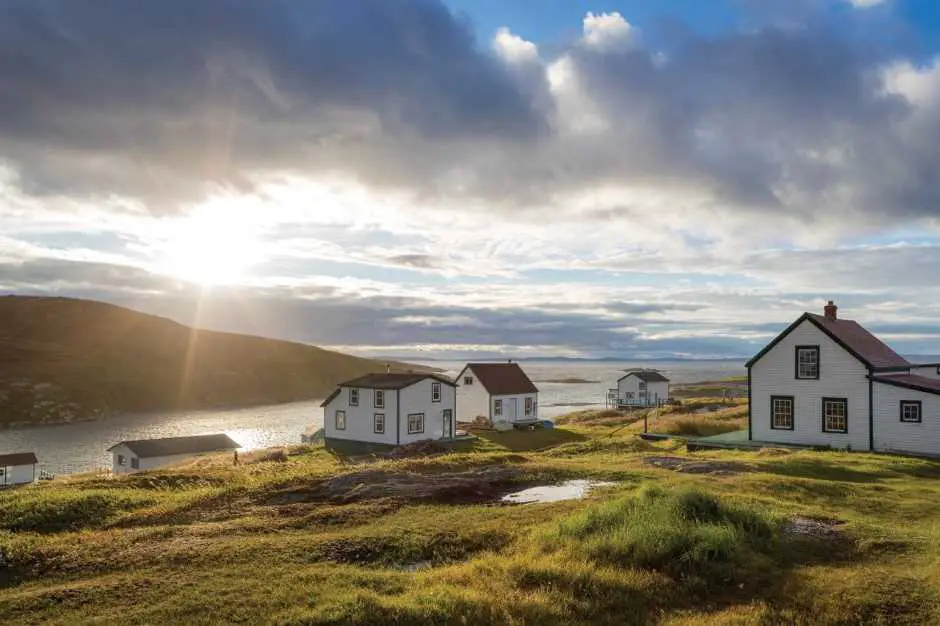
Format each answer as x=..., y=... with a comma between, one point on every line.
x=64, y=359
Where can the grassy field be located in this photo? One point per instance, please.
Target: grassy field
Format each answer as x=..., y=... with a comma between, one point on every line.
x=760, y=537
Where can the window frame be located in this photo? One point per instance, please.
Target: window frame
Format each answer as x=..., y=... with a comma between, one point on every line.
x=796, y=362
x=498, y=408
x=353, y=396
x=336, y=420
x=436, y=390
x=468, y=380
x=642, y=386
x=135, y=462
x=529, y=405
x=375, y=423
x=415, y=430
x=122, y=461
x=845, y=415
x=376, y=394
x=912, y=403
x=792, y=402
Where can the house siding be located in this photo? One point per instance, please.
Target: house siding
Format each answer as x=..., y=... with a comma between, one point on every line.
x=631, y=384
x=514, y=408
x=472, y=400
x=841, y=375
x=17, y=474
x=893, y=435
x=149, y=463
x=360, y=420
x=417, y=399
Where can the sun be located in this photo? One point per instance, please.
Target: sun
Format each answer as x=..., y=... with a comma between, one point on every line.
x=213, y=245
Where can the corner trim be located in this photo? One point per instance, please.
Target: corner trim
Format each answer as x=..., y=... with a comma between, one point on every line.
x=871, y=414
x=750, y=407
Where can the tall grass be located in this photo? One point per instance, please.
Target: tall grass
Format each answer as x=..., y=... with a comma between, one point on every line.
x=686, y=532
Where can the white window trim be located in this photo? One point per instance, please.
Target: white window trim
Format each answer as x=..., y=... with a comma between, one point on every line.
x=498, y=408
x=336, y=420
x=376, y=419
x=773, y=412
x=436, y=392
x=412, y=427
x=827, y=403
x=353, y=396
x=379, y=393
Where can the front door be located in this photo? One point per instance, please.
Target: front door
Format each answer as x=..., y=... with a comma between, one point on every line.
x=448, y=424
x=511, y=409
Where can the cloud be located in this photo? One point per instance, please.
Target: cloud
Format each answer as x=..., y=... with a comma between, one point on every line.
x=865, y=4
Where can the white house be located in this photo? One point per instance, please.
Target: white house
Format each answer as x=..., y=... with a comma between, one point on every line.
x=17, y=469
x=500, y=392
x=825, y=381
x=390, y=409
x=145, y=454
x=642, y=388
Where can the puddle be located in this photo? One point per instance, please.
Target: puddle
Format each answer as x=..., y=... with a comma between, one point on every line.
x=568, y=490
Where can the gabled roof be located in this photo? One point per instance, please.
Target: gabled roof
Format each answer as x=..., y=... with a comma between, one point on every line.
x=331, y=397
x=647, y=376
x=18, y=458
x=501, y=379
x=910, y=381
x=197, y=444
x=851, y=336
x=386, y=381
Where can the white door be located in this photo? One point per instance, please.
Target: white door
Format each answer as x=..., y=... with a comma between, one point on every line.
x=511, y=408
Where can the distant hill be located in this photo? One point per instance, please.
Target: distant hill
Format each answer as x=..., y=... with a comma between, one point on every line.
x=63, y=359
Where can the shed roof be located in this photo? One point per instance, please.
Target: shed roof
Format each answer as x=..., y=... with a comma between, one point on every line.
x=910, y=381
x=647, y=376
x=18, y=458
x=849, y=334
x=501, y=379
x=197, y=444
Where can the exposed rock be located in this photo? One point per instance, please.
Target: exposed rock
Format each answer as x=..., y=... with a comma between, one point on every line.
x=696, y=466
x=813, y=527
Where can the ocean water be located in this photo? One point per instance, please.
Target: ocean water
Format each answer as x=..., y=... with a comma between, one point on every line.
x=67, y=448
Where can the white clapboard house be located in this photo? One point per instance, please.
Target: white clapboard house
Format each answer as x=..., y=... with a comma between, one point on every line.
x=642, y=387
x=500, y=393
x=390, y=409
x=17, y=469
x=145, y=454
x=826, y=381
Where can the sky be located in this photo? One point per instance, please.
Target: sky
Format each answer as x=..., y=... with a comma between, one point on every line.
x=470, y=179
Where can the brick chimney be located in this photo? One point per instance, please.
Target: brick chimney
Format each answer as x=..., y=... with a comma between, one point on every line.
x=829, y=311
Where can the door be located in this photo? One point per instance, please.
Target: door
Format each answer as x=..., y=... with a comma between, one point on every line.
x=4, y=473
x=512, y=407
x=448, y=424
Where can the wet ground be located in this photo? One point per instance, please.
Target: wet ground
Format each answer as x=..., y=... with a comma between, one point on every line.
x=568, y=490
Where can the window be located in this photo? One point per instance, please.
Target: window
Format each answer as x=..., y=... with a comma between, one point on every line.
x=642, y=385
x=529, y=406
x=122, y=460
x=834, y=415
x=135, y=463
x=379, y=399
x=498, y=407
x=435, y=392
x=807, y=362
x=630, y=395
x=353, y=397
x=781, y=412
x=378, y=423
x=468, y=380
x=415, y=423
x=910, y=411
x=341, y=420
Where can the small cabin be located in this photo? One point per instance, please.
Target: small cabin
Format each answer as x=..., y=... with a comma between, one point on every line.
x=642, y=388
x=18, y=468
x=500, y=393
x=145, y=454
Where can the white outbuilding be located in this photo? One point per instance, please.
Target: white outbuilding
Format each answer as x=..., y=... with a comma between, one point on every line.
x=390, y=409
x=500, y=393
x=642, y=387
x=145, y=454
x=18, y=468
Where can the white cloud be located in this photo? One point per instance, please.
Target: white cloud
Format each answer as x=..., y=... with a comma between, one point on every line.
x=608, y=31
x=514, y=48
x=865, y=4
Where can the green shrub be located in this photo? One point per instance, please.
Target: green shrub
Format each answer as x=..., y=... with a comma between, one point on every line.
x=680, y=533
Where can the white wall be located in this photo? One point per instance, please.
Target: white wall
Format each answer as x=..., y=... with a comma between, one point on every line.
x=360, y=420
x=472, y=400
x=631, y=384
x=417, y=399
x=148, y=463
x=841, y=376
x=930, y=371
x=513, y=408
x=893, y=435
x=17, y=474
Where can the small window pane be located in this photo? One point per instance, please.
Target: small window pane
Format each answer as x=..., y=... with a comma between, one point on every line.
x=435, y=392
x=910, y=411
x=379, y=399
x=468, y=380
x=807, y=363
x=379, y=423
x=782, y=413
x=834, y=416
x=353, y=397
x=415, y=423
x=341, y=420
x=498, y=407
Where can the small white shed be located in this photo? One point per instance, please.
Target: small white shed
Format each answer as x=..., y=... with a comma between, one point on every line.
x=18, y=468
x=144, y=454
x=501, y=393
x=643, y=388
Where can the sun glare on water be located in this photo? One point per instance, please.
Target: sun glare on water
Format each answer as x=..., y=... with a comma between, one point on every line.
x=214, y=245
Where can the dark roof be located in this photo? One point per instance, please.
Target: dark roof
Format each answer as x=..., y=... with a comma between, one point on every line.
x=197, y=444
x=19, y=458
x=910, y=381
x=392, y=381
x=502, y=378
x=648, y=376
x=330, y=397
x=863, y=345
